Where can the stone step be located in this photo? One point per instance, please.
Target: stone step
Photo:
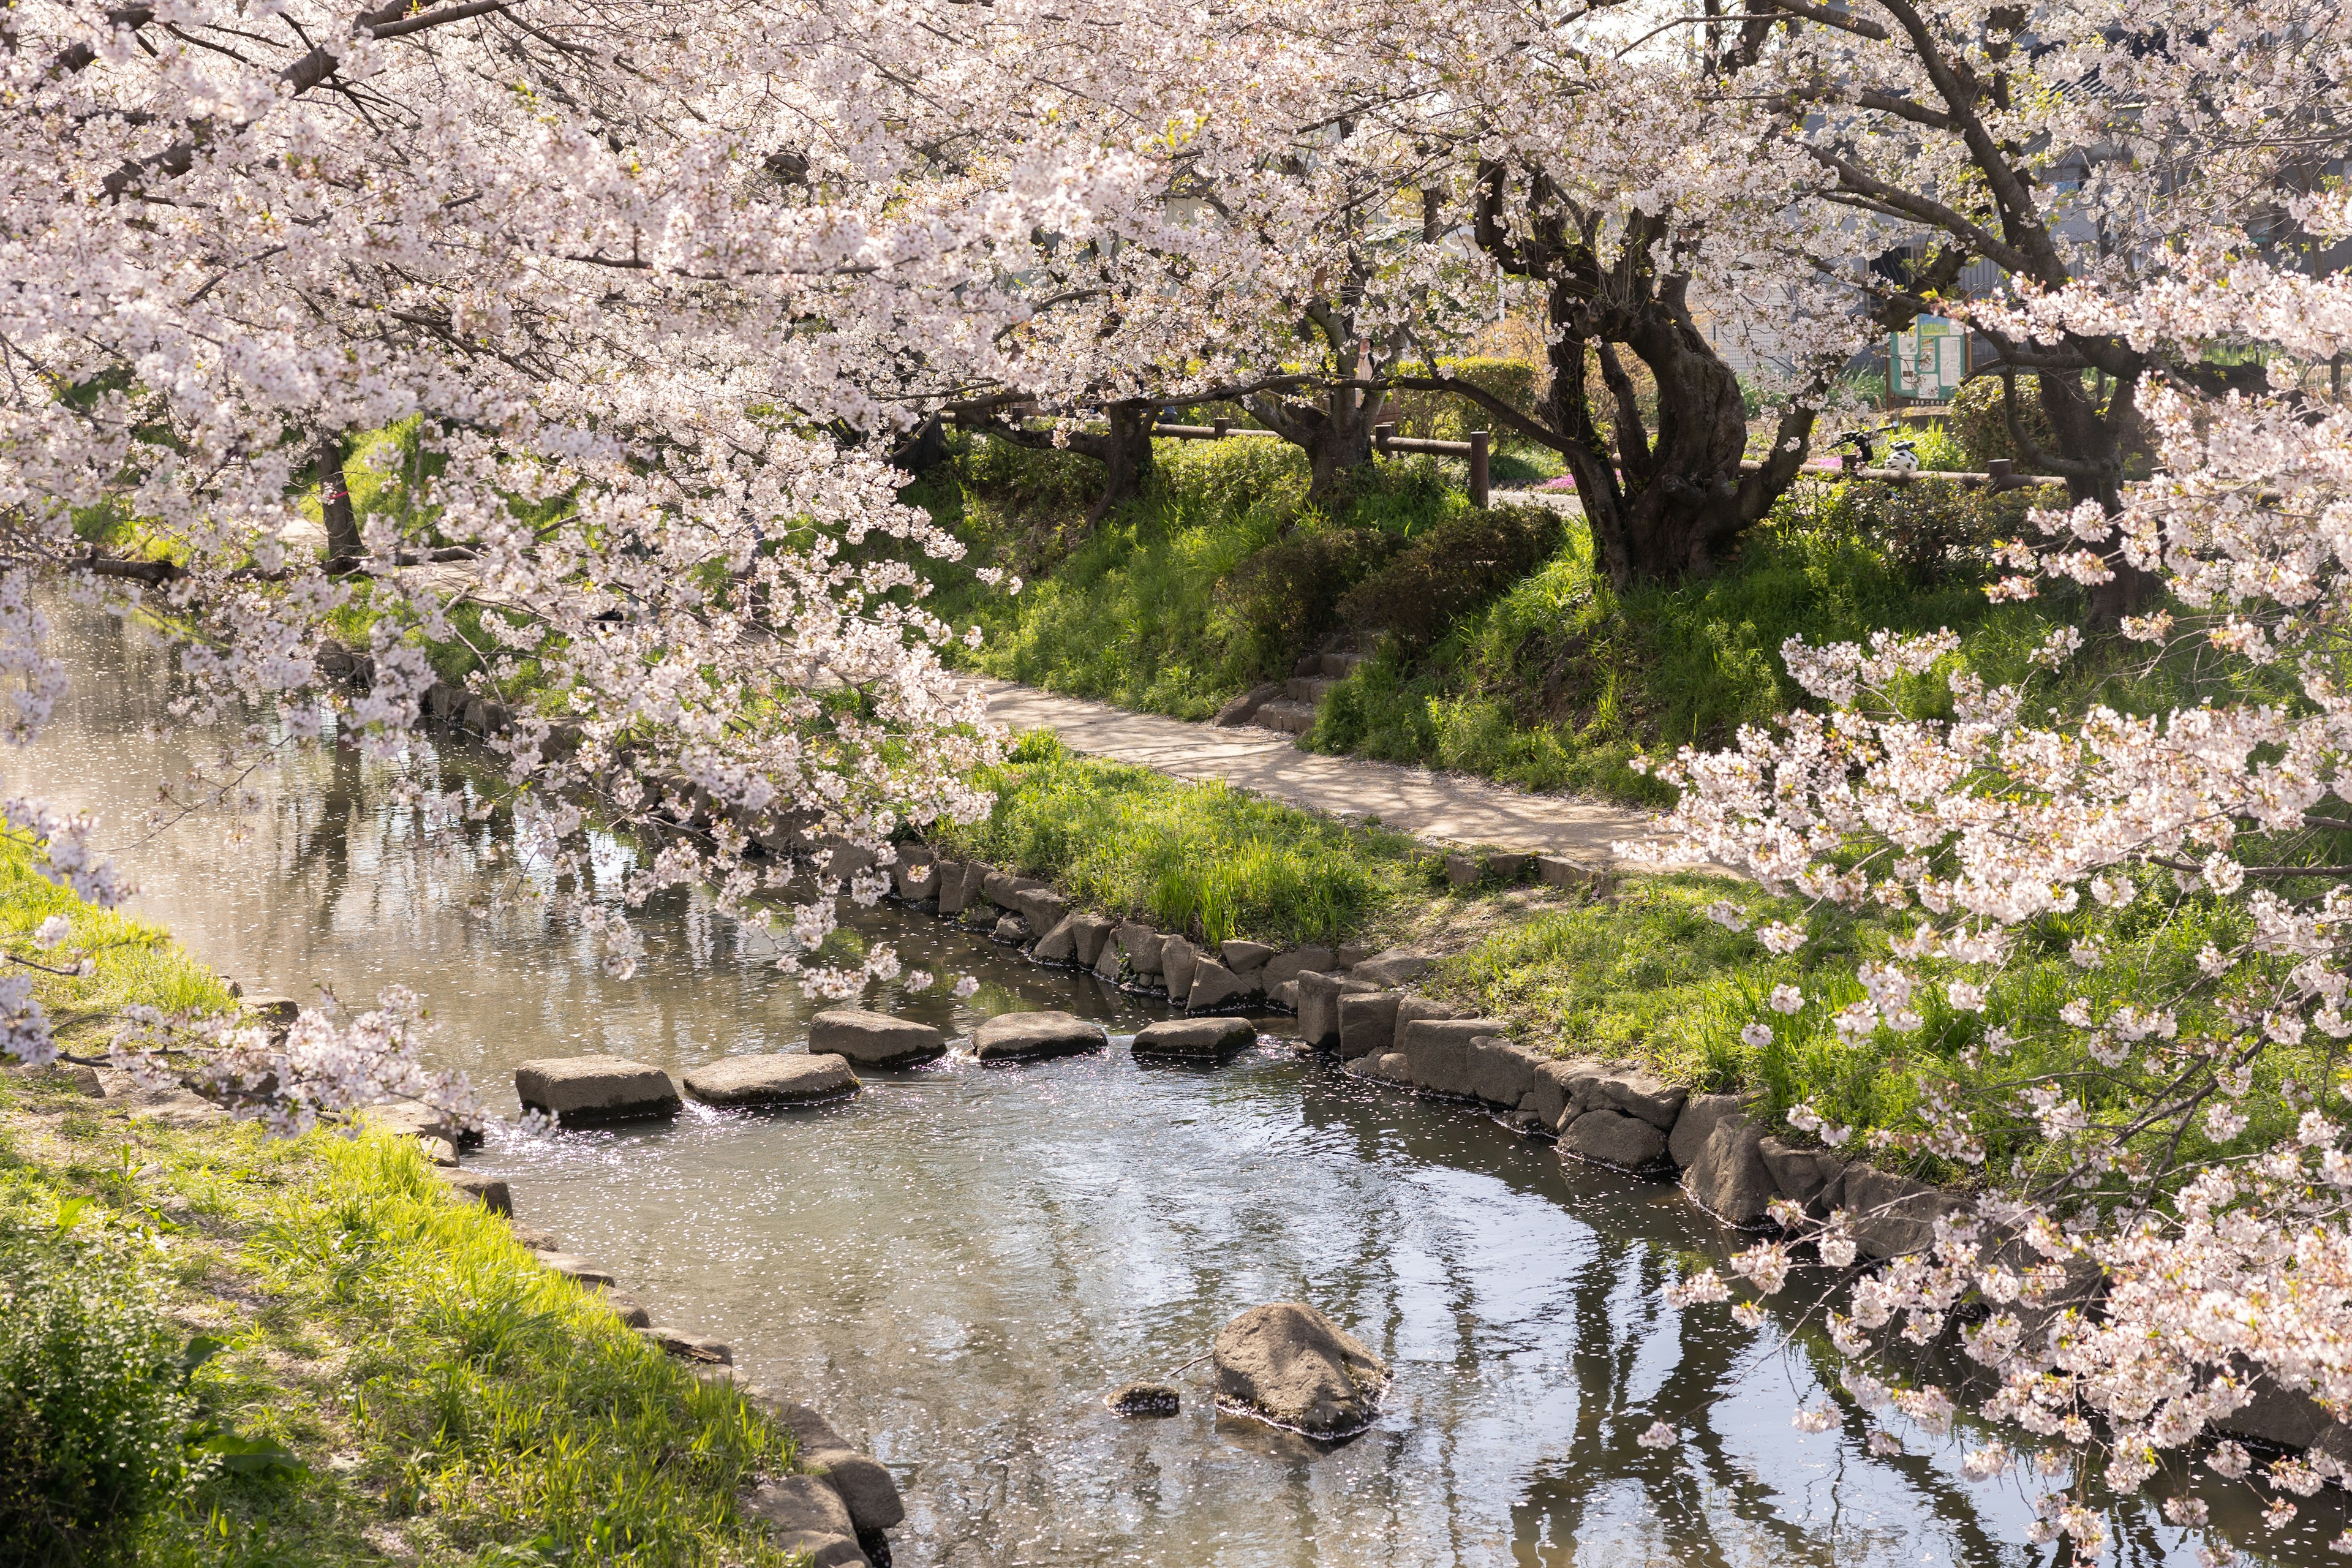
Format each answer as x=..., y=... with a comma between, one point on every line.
x=1339, y=666
x=1308, y=689
x=1286, y=716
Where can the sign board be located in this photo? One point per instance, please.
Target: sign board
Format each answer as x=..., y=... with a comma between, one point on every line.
x=1929, y=361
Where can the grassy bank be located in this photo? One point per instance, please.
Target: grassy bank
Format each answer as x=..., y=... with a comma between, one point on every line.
x=217, y=1349
x=1196, y=858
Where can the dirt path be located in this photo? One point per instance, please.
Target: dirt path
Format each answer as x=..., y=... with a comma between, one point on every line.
x=1440, y=807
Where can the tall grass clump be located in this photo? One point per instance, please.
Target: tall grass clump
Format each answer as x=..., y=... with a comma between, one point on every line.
x=1199, y=858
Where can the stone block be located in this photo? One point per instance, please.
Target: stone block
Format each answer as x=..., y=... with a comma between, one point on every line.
x=1559, y=871
x=865, y=1487
x=689, y=1347
x=1041, y=906
x=581, y=1090
x=807, y=1519
x=1509, y=865
x=1730, y=1179
x=1801, y=1175
x=1141, y=944
x=1209, y=1039
x=1461, y=870
x=1891, y=1216
x=1346, y=957
x=958, y=884
x=1318, y=1006
x=1010, y=930
x=915, y=875
x=1290, y=965
x=1214, y=985
x=1439, y=1050
x=1501, y=1072
x=1088, y=933
x=1032, y=1036
x=490, y=1192
x=1059, y=944
x=794, y=1077
x=874, y=1039
x=573, y=1266
x=1110, y=963
x=1695, y=1124
x=1242, y=957
x=1177, y=959
x=1614, y=1139
x=1640, y=1094
x=1368, y=1023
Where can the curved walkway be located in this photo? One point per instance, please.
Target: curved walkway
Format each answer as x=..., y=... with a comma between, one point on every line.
x=1437, y=806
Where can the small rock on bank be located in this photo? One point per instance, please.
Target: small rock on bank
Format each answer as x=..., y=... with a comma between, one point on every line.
x=1203, y=1039
x=578, y=1090
x=1032, y=1036
x=874, y=1039
x=791, y=1078
x=1289, y=1364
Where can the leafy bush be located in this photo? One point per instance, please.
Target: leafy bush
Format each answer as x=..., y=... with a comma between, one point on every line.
x=1979, y=425
x=1284, y=598
x=1459, y=566
x=94, y=1420
x=1929, y=531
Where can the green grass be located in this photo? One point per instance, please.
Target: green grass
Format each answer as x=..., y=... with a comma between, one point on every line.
x=137, y=961
x=397, y=1375
x=1645, y=975
x=1201, y=858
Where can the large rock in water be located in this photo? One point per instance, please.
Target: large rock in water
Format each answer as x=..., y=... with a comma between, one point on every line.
x=1203, y=1039
x=874, y=1039
x=1289, y=1364
x=793, y=1078
x=578, y=1090
x=1030, y=1037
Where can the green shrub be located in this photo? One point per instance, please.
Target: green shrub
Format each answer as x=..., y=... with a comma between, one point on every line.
x=1284, y=598
x=1453, y=569
x=1981, y=426
x=93, y=1420
x=1928, y=530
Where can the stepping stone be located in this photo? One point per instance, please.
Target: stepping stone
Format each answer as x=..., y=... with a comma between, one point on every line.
x=581, y=1090
x=1032, y=1036
x=794, y=1077
x=874, y=1039
x=1201, y=1039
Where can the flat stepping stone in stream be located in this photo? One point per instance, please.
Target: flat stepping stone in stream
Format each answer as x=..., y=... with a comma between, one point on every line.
x=874, y=1039
x=580, y=1091
x=795, y=1078
x=1195, y=1040
x=1032, y=1036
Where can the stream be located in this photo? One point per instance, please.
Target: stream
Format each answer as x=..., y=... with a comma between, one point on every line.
x=958, y=1265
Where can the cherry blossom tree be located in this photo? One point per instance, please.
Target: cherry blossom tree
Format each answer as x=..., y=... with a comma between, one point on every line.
x=2164, y=1227
x=645, y=300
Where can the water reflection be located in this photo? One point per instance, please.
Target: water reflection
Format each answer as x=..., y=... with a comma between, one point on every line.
x=957, y=1265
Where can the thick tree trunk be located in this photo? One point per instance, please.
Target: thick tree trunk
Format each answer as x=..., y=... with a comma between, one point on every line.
x=335, y=498
x=1126, y=454
x=1671, y=504
x=2091, y=444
